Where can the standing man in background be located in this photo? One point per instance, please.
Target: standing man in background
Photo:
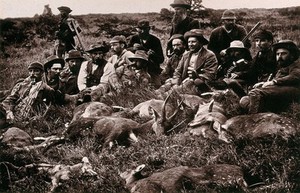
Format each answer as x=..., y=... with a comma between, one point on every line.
x=222, y=36
x=68, y=28
x=181, y=22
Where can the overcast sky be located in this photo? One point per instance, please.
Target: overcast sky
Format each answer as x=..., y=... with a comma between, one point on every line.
x=28, y=8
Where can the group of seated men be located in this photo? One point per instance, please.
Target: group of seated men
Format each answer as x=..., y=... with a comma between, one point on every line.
x=271, y=76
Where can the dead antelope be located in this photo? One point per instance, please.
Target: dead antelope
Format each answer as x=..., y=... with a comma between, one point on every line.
x=260, y=125
x=182, y=178
x=91, y=109
x=60, y=172
x=207, y=121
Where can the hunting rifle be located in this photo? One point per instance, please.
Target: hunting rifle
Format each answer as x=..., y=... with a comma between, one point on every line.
x=251, y=32
x=74, y=27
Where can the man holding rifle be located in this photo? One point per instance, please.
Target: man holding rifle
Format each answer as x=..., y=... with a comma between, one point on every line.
x=68, y=28
x=221, y=37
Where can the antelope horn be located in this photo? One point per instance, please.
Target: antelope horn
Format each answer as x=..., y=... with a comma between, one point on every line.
x=163, y=111
x=211, y=104
x=176, y=111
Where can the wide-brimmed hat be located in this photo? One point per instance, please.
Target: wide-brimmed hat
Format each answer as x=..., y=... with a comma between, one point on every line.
x=139, y=54
x=36, y=65
x=198, y=33
x=143, y=24
x=74, y=54
x=53, y=59
x=264, y=35
x=65, y=9
x=289, y=45
x=118, y=39
x=98, y=47
x=180, y=3
x=228, y=14
x=239, y=45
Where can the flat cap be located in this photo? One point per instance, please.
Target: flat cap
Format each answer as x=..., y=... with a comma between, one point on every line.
x=64, y=9
x=118, y=39
x=180, y=3
x=263, y=34
x=98, y=47
x=228, y=14
x=36, y=65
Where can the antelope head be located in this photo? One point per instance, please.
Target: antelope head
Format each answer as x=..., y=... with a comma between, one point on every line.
x=162, y=123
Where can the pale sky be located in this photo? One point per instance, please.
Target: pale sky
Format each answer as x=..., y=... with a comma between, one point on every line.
x=28, y=8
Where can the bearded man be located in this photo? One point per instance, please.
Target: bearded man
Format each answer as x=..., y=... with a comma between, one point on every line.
x=284, y=88
x=181, y=22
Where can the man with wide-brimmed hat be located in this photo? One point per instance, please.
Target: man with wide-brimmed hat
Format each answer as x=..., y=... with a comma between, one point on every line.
x=68, y=77
x=221, y=36
x=97, y=75
x=28, y=97
x=196, y=67
x=53, y=66
x=181, y=22
x=153, y=47
x=66, y=32
x=178, y=44
x=284, y=88
x=234, y=72
x=139, y=65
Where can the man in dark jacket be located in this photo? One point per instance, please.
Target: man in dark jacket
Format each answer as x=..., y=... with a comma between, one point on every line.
x=284, y=88
x=152, y=46
x=68, y=77
x=179, y=47
x=181, y=22
x=264, y=63
x=221, y=37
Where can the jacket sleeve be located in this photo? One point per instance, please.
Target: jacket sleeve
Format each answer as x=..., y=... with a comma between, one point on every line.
x=179, y=70
x=10, y=101
x=110, y=77
x=82, y=76
x=291, y=79
x=209, y=70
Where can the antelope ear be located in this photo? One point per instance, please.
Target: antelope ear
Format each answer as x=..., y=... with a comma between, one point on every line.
x=139, y=168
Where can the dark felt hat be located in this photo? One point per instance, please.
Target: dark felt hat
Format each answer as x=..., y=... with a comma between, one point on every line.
x=74, y=54
x=98, y=47
x=228, y=14
x=53, y=59
x=289, y=45
x=198, y=33
x=180, y=3
x=143, y=24
x=36, y=65
x=263, y=34
x=139, y=54
x=64, y=9
x=176, y=36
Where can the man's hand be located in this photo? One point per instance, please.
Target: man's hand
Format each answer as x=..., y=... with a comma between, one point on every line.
x=192, y=73
x=10, y=118
x=258, y=85
x=150, y=52
x=268, y=83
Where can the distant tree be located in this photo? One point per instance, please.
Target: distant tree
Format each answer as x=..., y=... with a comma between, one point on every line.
x=47, y=10
x=196, y=5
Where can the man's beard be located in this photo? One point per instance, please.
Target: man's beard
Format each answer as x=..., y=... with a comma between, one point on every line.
x=178, y=52
x=177, y=19
x=284, y=63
